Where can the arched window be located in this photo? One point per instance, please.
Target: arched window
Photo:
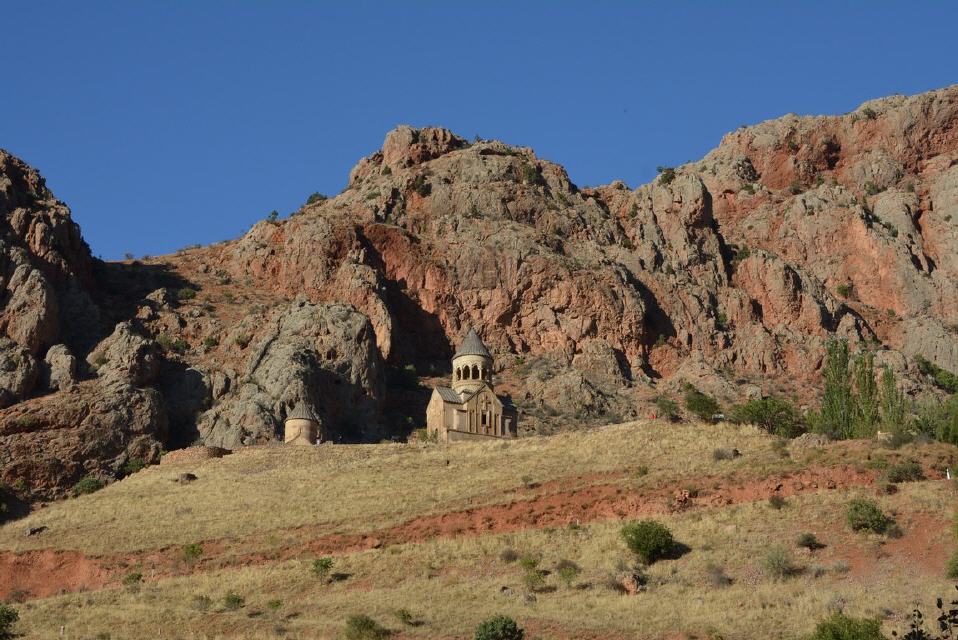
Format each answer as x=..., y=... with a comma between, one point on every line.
x=458, y=373
x=475, y=372
x=465, y=373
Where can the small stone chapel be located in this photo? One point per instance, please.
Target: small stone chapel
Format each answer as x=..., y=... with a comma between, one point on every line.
x=470, y=408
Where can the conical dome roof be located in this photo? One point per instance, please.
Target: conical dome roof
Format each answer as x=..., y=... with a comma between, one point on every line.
x=472, y=346
x=302, y=411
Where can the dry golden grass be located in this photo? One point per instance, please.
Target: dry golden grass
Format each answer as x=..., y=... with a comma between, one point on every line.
x=356, y=488
x=453, y=584
x=255, y=498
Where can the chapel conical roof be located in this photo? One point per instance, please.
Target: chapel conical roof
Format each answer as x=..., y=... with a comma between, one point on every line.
x=472, y=346
x=302, y=411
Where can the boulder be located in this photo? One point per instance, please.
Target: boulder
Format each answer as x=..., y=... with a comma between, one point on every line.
x=127, y=356
x=59, y=368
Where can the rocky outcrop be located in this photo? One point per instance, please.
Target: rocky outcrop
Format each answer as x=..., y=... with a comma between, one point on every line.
x=730, y=273
x=324, y=355
x=50, y=443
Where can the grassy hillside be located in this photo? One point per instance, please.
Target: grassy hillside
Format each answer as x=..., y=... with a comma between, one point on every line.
x=448, y=533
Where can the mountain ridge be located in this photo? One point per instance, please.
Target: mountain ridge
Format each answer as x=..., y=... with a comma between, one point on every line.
x=730, y=273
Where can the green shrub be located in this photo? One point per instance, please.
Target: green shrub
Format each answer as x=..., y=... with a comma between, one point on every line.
x=808, y=541
x=420, y=186
x=210, y=342
x=648, y=539
x=951, y=569
x=841, y=627
x=778, y=564
x=133, y=465
x=185, y=293
x=667, y=408
x=795, y=187
x=132, y=578
x=192, y=551
x=405, y=616
x=872, y=189
x=776, y=416
x=87, y=485
x=322, y=567
x=666, y=175
x=315, y=197
x=499, y=628
x=844, y=290
x=533, y=580
x=9, y=617
x=866, y=515
x=530, y=175
x=233, y=601
x=274, y=605
x=868, y=113
x=242, y=340
x=907, y=471
x=362, y=627
x=273, y=216
x=175, y=346
x=567, y=572
x=776, y=501
x=700, y=404
x=945, y=380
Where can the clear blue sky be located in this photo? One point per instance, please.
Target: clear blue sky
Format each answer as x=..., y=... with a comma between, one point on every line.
x=168, y=123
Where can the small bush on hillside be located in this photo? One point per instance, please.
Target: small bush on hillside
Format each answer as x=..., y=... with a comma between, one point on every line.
x=322, y=567
x=508, y=555
x=405, y=616
x=530, y=175
x=420, y=186
x=192, y=551
x=865, y=515
x=211, y=342
x=908, y=471
x=87, y=485
x=841, y=627
x=133, y=465
x=667, y=408
x=795, y=188
x=363, y=627
x=315, y=197
x=132, y=578
x=951, y=569
x=844, y=290
x=9, y=617
x=273, y=216
x=775, y=415
x=778, y=564
x=868, y=113
x=567, y=571
x=777, y=502
x=700, y=404
x=648, y=539
x=499, y=628
x=942, y=378
x=274, y=605
x=666, y=175
x=233, y=601
x=185, y=293
x=809, y=541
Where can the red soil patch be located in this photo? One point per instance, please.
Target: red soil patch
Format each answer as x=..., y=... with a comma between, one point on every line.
x=39, y=574
x=51, y=572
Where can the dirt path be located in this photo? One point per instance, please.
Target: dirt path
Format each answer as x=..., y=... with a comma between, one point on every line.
x=37, y=574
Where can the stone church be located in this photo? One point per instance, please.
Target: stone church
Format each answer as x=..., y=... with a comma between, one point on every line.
x=470, y=409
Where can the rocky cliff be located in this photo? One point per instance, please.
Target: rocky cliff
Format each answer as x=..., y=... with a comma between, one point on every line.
x=730, y=273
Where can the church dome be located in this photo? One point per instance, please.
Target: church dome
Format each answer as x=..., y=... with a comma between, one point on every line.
x=302, y=411
x=472, y=346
